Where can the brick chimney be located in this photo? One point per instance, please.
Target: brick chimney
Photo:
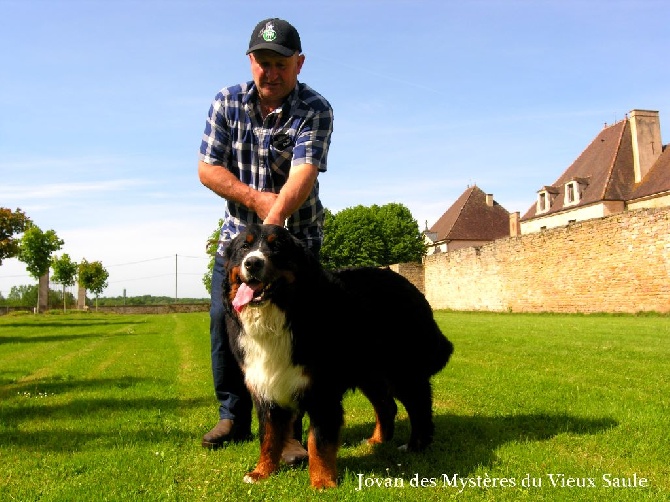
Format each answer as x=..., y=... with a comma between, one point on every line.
x=645, y=127
x=489, y=199
x=514, y=224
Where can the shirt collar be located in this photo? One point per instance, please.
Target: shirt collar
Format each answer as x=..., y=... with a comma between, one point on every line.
x=251, y=97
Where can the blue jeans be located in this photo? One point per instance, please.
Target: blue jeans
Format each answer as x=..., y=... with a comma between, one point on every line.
x=232, y=394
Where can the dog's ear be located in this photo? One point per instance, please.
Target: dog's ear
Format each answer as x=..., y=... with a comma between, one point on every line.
x=294, y=241
x=305, y=257
x=228, y=251
x=231, y=248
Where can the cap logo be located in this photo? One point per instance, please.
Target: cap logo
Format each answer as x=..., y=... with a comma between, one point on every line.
x=268, y=33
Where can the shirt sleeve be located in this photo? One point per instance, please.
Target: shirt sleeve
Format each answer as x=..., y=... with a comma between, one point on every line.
x=215, y=147
x=313, y=140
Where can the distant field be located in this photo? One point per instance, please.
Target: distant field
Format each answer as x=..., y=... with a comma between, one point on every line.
x=532, y=407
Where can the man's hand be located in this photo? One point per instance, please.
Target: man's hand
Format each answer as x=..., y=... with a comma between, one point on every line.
x=270, y=207
x=295, y=191
x=262, y=204
x=225, y=184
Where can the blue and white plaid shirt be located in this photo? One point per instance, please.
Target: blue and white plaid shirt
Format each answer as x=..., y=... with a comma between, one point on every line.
x=260, y=152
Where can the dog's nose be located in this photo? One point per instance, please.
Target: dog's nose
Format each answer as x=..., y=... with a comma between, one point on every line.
x=253, y=265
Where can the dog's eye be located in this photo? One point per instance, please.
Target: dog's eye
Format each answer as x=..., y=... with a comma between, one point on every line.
x=274, y=245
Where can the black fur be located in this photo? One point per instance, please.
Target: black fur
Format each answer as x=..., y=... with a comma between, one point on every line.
x=366, y=328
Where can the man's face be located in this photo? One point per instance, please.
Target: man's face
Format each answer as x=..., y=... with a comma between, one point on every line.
x=275, y=75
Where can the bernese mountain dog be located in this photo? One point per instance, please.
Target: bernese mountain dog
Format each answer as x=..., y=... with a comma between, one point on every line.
x=304, y=336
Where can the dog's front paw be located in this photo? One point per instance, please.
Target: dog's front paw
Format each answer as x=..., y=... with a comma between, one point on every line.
x=254, y=477
x=417, y=445
x=322, y=483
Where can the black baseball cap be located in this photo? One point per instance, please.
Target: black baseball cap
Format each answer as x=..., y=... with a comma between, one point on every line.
x=276, y=35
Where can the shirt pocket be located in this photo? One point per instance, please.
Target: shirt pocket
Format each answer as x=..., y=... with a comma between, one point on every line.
x=280, y=156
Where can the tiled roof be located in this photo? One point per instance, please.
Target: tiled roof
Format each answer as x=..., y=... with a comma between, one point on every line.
x=605, y=169
x=470, y=218
x=657, y=179
x=606, y=166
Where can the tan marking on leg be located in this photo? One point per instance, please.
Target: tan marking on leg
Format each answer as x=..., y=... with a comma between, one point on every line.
x=377, y=435
x=271, y=448
x=322, y=463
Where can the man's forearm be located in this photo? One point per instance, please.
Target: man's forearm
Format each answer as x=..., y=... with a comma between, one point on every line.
x=222, y=182
x=293, y=194
x=270, y=207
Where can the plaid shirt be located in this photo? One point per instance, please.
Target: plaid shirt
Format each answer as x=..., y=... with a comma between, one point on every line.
x=260, y=152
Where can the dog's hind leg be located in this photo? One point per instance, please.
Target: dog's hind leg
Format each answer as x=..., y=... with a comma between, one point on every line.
x=275, y=425
x=416, y=397
x=379, y=395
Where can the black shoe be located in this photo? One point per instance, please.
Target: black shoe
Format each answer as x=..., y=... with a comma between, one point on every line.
x=225, y=431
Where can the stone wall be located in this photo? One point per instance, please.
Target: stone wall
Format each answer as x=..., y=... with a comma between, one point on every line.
x=412, y=271
x=620, y=263
x=171, y=308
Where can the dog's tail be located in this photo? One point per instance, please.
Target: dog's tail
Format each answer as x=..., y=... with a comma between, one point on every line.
x=440, y=354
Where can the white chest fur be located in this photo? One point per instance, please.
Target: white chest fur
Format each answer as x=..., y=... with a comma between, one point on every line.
x=268, y=368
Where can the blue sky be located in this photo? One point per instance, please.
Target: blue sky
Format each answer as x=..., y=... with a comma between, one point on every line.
x=102, y=108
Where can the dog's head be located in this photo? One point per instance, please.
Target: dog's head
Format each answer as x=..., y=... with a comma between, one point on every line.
x=262, y=262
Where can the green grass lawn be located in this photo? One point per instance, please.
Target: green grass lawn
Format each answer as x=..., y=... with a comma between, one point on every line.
x=531, y=407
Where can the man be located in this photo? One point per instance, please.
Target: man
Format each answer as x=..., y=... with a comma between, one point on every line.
x=264, y=144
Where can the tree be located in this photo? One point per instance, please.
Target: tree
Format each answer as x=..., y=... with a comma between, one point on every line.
x=35, y=251
x=401, y=235
x=352, y=239
x=22, y=296
x=211, y=245
x=371, y=236
x=93, y=278
x=65, y=271
x=11, y=223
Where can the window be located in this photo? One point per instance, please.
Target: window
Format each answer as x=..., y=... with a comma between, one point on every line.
x=571, y=193
x=574, y=191
x=545, y=197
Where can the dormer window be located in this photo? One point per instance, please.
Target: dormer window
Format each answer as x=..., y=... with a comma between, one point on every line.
x=573, y=191
x=545, y=197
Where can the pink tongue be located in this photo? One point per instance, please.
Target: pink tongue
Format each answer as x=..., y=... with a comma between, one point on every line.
x=243, y=296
